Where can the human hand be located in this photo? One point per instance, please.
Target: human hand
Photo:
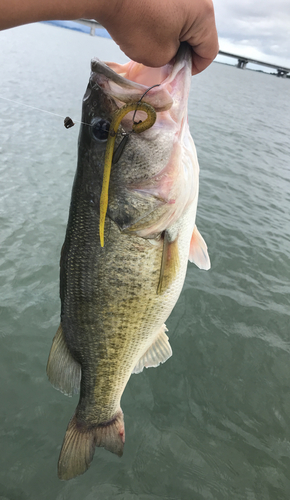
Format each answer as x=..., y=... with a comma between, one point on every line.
x=150, y=31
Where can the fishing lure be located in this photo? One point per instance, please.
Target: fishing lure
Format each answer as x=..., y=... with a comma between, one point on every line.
x=137, y=128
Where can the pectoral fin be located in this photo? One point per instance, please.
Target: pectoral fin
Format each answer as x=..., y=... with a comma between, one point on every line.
x=169, y=262
x=62, y=370
x=157, y=353
x=198, y=251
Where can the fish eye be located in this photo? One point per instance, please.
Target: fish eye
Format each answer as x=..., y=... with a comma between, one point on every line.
x=100, y=129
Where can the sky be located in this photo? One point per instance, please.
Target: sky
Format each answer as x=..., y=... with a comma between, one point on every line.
x=259, y=29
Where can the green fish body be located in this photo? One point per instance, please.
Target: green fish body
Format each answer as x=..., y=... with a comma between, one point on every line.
x=115, y=299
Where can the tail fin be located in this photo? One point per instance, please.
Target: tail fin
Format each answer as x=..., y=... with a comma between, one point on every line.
x=79, y=443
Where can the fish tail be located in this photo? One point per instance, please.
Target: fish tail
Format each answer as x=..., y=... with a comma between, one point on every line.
x=80, y=440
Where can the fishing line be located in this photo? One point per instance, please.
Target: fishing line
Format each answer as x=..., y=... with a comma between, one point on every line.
x=44, y=111
x=68, y=122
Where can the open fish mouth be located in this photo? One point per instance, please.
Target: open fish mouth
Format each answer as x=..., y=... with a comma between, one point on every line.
x=128, y=82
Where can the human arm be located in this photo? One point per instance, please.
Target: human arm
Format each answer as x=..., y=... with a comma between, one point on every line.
x=148, y=31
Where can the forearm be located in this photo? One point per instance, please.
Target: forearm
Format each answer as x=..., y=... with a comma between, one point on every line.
x=148, y=31
x=18, y=12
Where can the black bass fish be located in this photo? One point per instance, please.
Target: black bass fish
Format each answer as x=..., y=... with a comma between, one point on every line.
x=117, y=295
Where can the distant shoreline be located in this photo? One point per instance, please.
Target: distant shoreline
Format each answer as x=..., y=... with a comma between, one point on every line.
x=76, y=26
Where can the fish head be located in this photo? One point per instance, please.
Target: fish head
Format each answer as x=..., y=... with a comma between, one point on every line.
x=155, y=178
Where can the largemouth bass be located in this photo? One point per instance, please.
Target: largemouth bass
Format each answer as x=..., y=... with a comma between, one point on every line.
x=116, y=298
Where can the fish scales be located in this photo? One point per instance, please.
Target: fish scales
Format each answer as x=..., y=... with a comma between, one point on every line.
x=115, y=299
x=123, y=294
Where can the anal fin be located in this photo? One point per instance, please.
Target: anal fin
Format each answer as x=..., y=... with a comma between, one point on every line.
x=157, y=353
x=62, y=370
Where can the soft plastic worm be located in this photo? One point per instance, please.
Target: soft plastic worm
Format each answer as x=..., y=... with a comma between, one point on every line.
x=137, y=128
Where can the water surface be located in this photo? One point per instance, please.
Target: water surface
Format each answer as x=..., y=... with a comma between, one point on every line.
x=213, y=422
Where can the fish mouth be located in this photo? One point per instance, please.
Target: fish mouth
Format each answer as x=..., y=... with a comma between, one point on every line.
x=127, y=83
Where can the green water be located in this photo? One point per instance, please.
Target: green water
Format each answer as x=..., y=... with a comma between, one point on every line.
x=213, y=422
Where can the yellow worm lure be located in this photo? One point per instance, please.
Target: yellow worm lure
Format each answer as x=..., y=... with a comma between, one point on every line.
x=137, y=128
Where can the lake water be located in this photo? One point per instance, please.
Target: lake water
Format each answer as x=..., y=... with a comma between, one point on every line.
x=214, y=421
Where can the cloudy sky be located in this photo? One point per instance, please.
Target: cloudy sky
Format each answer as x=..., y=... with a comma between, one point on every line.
x=258, y=29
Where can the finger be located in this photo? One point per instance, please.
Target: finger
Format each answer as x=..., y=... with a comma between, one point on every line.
x=200, y=62
x=202, y=35
x=147, y=48
x=152, y=56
